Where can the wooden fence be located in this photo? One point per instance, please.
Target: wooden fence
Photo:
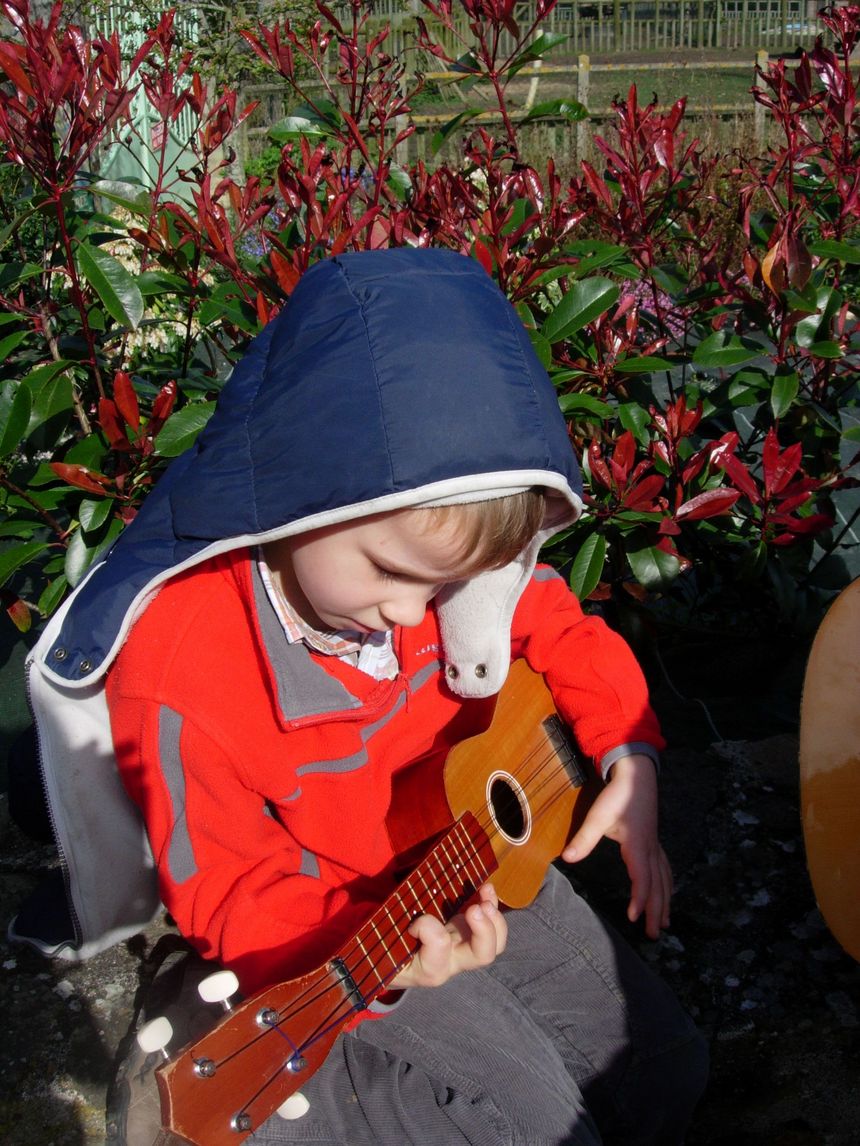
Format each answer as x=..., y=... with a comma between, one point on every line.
x=597, y=27
x=724, y=122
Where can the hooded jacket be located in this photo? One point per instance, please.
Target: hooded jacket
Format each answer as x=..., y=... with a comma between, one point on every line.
x=391, y=379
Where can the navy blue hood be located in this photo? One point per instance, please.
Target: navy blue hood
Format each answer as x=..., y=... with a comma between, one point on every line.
x=391, y=378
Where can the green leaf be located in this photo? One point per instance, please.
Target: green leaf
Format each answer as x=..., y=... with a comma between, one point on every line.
x=161, y=282
x=644, y=364
x=51, y=392
x=16, y=224
x=826, y=350
x=130, y=196
x=182, y=428
x=586, y=300
x=831, y=249
x=16, y=556
x=754, y=379
x=586, y=247
x=588, y=566
x=296, y=126
x=16, y=528
x=13, y=274
x=116, y=288
x=15, y=402
x=592, y=255
x=400, y=181
x=215, y=310
x=542, y=43
x=567, y=109
x=573, y=403
x=542, y=348
x=652, y=567
x=721, y=349
x=8, y=344
x=448, y=129
x=526, y=314
x=668, y=277
x=94, y=512
x=522, y=209
x=52, y=595
x=783, y=393
x=636, y=419
x=825, y=302
x=80, y=555
x=313, y=122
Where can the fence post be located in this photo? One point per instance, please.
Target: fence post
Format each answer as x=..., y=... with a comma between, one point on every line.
x=760, y=111
x=533, y=86
x=583, y=76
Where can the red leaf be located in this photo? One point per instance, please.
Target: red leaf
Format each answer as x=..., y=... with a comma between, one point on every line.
x=483, y=255
x=113, y=426
x=779, y=467
x=126, y=399
x=597, y=185
x=20, y=615
x=623, y=455
x=80, y=476
x=707, y=504
x=286, y=274
x=644, y=495
x=597, y=466
x=162, y=408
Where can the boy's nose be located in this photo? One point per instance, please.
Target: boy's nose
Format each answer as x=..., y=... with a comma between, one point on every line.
x=406, y=610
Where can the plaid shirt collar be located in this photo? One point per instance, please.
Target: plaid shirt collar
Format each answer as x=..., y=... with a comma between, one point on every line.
x=373, y=653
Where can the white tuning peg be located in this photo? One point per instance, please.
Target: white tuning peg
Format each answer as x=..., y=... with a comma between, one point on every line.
x=155, y=1035
x=218, y=987
x=295, y=1106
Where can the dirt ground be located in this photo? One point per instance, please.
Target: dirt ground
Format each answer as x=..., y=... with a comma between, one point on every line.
x=747, y=952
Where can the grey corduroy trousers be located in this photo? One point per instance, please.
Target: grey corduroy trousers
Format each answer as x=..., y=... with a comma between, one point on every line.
x=568, y=1039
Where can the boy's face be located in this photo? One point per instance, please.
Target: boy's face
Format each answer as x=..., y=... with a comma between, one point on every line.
x=368, y=575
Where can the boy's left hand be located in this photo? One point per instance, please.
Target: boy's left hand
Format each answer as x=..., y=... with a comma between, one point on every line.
x=626, y=811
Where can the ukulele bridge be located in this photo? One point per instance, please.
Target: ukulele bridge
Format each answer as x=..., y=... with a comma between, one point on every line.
x=564, y=746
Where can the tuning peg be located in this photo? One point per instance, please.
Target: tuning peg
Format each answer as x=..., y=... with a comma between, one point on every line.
x=295, y=1107
x=218, y=987
x=155, y=1035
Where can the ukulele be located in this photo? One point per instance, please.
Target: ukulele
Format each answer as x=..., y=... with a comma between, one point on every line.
x=830, y=767
x=511, y=796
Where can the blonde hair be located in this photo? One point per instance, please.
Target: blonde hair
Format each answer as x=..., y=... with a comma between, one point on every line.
x=494, y=531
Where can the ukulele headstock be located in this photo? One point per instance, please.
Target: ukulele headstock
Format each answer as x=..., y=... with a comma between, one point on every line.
x=222, y=1086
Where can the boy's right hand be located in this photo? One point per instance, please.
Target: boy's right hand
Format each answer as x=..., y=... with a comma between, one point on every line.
x=466, y=942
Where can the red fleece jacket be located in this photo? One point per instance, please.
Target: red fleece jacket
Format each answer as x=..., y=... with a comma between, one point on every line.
x=264, y=771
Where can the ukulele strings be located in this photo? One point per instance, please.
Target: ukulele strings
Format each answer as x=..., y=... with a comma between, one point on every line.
x=543, y=772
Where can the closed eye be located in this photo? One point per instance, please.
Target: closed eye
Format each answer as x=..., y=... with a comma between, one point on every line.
x=388, y=574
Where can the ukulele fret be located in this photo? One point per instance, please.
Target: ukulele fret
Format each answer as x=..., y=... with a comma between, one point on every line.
x=480, y=872
x=439, y=886
x=396, y=928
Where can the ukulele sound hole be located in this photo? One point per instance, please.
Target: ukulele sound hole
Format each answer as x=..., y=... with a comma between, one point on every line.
x=509, y=807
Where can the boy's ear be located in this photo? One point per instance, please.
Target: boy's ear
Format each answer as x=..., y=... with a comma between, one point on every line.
x=475, y=620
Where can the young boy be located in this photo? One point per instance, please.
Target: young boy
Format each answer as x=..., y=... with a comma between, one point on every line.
x=326, y=592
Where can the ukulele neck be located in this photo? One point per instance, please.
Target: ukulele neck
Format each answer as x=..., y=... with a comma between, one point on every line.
x=461, y=861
